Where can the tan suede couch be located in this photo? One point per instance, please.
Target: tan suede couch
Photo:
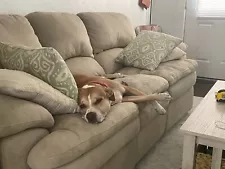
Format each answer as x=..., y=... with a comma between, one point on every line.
x=32, y=138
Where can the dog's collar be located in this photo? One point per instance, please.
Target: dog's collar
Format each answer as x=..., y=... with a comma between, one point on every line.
x=99, y=83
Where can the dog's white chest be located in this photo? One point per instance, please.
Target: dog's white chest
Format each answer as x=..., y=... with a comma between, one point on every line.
x=87, y=86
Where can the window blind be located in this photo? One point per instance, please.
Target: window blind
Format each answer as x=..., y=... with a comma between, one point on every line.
x=211, y=8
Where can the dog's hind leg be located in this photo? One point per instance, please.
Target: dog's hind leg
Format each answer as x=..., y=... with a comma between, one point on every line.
x=113, y=76
x=143, y=98
x=158, y=108
x=135, y=92
x=132, y=91
x=153, y=98
x=136, y=99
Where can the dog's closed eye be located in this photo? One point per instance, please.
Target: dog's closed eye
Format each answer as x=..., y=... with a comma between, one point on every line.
x=82, y=106
x=98, y=101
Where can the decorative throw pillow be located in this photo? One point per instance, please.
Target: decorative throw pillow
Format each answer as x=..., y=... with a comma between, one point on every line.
x=176, y=53
x=148, y=49
x=43, y=63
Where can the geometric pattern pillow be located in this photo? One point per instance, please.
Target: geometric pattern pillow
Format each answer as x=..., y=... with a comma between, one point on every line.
x=147, y=50
x=177, y=53
x=43, y=63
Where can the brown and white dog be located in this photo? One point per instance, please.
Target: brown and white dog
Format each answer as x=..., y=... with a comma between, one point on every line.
x=97, y=94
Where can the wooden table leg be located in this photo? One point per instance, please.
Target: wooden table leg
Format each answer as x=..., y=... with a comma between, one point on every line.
x=216, y=158
x=189, y=152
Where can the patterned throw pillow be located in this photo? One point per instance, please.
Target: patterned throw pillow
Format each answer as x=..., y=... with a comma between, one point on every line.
x=43, y=63
x=148, y=49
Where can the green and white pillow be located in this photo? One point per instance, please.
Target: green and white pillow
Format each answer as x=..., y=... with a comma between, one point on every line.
x=148, y=49
x=43, y=63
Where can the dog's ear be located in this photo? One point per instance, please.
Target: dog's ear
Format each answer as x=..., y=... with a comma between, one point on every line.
x=110, y=94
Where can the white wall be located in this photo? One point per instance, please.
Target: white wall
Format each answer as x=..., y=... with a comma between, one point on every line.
x=170, y=15
x=128, y=7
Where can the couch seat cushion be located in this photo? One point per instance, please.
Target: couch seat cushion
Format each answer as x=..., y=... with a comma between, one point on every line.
x=16, y=29
x=84, y=65
x=102, y=154
x=146, y=83
x=107, y=60
x=72, y=137
x=174, y=70
x=63, y=31
x=182, y=86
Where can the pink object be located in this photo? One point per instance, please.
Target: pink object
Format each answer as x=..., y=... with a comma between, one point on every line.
x=153, y=27
x=145, y=3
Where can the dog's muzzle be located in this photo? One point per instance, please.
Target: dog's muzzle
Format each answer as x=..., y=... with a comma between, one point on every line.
x=92, y=117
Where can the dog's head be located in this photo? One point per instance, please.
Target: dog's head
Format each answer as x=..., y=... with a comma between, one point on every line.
x=94, y=103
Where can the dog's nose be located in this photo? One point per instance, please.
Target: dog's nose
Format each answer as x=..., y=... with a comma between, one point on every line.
x=91, y=117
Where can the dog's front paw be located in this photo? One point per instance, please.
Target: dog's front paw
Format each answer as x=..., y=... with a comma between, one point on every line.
x=163, y=96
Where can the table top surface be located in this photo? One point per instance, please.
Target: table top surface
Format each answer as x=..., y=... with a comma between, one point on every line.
x=208, y=119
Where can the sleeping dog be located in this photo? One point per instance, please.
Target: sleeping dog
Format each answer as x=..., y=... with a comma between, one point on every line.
x=96, y=94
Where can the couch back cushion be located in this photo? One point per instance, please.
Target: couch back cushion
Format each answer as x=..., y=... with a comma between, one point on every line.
x=107, y=60
x=63, y=31
x=16, y=29
x=107, y=30
x=84, y=65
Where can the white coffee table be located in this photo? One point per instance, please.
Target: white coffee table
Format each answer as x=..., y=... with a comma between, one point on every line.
x=202, y=128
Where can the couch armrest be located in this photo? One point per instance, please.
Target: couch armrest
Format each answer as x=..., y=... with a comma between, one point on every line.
x=17, y=115
x=27, y=87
